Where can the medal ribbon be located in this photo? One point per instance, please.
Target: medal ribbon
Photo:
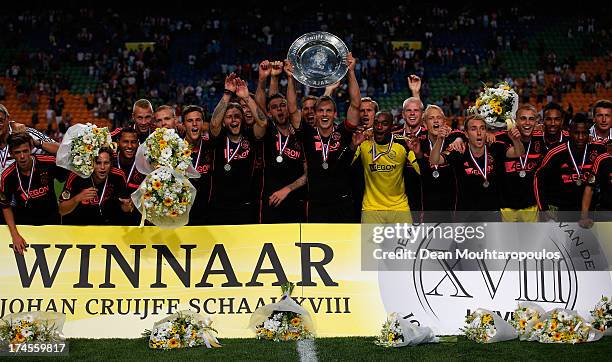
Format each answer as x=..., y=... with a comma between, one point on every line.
x=324, y=147
x=27, y=194
x=486, y=157
x=227, y=154
x=282, y=147
x=574, y=161
x=524, y=162
x=377, y=156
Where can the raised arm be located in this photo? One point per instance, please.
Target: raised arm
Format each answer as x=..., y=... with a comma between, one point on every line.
x=294, y=113
x=414, y=83
x=260, y=93
x=277, y=70
x=436, y=157
x=352, y=115
x=517, y=148
x=216, y=121
x=19, y=243
x=261, y=122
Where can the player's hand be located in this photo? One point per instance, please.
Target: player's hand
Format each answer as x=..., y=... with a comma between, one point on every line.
x=230, y=82
x=264, y=69
x=351, y=62
x=242, y=89
x=126, y=205
x=19, y=244
x=87, y=194
x=278, y=197
x=514, y=134
x=277, y=68
x=414, y=83
x=288, y=68
x=585, y=222
x=457, y=145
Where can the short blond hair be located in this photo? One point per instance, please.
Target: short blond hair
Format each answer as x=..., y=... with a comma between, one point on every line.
x=431, y=108
x=143, y=104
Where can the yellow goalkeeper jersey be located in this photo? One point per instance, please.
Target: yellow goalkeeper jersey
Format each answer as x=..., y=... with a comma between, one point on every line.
x=383, y=170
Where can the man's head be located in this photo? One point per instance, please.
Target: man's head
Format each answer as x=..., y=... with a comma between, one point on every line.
x=4, y=119
x=308, y=109
x=602, y=114
x=233, y=119
x=434, y=117
x=277, y=109
x=412, y=110
x=193, y=118
x=102, y=164
x=526, y=119
x=383, y=123
x=128, y=143
x=325, y=112
x=142, y=114
x=20, y=147
x=579, y=130
x=476, y=130
x=166, y=116
x=367, y=111
x=553, y=119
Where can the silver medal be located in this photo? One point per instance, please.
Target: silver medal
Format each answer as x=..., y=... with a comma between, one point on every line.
x=279, y=158
x=522, y=173
x=227, y=167
x=435, y=174
x=485, y=184
x=325, y=165
x=579, y=182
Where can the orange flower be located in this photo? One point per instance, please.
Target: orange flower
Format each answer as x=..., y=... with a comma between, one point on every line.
x=168, y=201
x=173, y=343
x=173, y=213
x=557, y=336
x=187, y=153
x=162, y=144
x=19, y=338
x=522, y=323
x=88, y=148
x=147, y=195
x=295, y=321
x=157, y=185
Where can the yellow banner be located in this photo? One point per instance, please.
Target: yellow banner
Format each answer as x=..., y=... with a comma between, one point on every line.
x=117, y=281
x=140, y=45
x=414, y=45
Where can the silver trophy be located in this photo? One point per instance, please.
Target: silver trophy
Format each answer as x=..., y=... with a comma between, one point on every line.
x=318, y=58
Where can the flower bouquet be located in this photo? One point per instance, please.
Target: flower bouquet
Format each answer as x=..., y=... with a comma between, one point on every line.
x=498, y=106
x=484, y=326
x=182, y=329
x=565, y=326
x=165, y=198
x=398, y=332
x=524, y=318
x=26, y=327
x=602, y=316
x=80, y=147
x=282, y=321
x=164, y=148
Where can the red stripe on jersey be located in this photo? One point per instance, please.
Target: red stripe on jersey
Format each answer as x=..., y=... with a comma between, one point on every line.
x=71, y=178
x=549, y=155
x=554, y=151
x=598, y=160
x=118, y=172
